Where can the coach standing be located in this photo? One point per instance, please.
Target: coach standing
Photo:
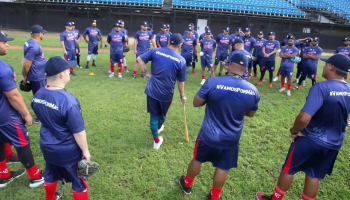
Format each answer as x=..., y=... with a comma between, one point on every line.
x=68, y=45
x=33, y=64
x=94, y=37
x=218, y=139
x=167, y=67
x=318, y=131
x=62, y=134
x=249, y=41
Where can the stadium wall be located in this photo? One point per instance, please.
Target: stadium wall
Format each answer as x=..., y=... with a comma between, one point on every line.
x=21, y=16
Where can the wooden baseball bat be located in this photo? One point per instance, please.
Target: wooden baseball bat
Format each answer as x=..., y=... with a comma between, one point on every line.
x=186, y=131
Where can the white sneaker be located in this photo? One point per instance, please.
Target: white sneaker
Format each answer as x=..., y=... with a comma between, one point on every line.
x=203, y=81
x=157, y=145
x=111, y=75
x=275, y=79
x=126, y=70
x=289, y=93
x=161, y=129
x=282, y=89
x=109, y=71
x=120, y=76
x=79, y=66
x=303, y=83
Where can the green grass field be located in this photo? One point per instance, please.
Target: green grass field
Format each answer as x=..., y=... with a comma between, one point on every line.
x=119, y=138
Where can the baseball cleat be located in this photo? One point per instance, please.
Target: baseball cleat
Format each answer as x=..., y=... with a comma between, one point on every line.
x=289, y=93
x=13, y=159
x=126, y=70
x=133, y=76
x=203, y=81
x=161, y=129
x=275, y=79
x=194, y=72
x=79, y=66
x=14, y=175
x=94, y=65
x=37, y=182
x=255, y=76
x=59, y=194
x=111, y=75
x=296, y=81
x=186, y=190
x=72, y=74
x=157, y=145
x=297, y=87
x=209, y=196
x=109, y=71
x=259, y=83
x=120, y=76
x=303, y=83
x=261, y=196
x=282, y=89
x=270, y=85
x=143, y=75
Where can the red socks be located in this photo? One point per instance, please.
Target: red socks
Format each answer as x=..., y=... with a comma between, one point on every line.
x=346, y=77
x=304, y=197
x=135, y=72
x=8, y=151
x=289, y=86
x=215, y=193
x=203, y=77
x=80, y=195
x=188, y=181
x=50, y=189
x=71, y=69
x=5, y=171
x=283, y=84
x=120, y=67
x=34, y=172
x=125, y=67
x=278, y=194
x=156, y=139
x=112, y=68
x=278, y=74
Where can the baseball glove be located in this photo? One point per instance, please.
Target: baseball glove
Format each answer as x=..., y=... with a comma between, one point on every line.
x=126, y=49
x=87, y=168
x=25, y=87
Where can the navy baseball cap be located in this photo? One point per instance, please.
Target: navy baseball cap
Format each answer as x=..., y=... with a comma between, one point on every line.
x=144, y=23
x=117, y=25
x=240, y=59
x=273, y=33
x=191, y=24
x=289, y=34
x=4, y=38
x=247, y=29
x=150, y=25
x=163, y=26
x=119, y=21
x=176, y=39
x=37, y=29
x=168, y=25
x=57, y=64
x=239, y=29
x=206, y=28
x=316, y=39
x=208, y=32
x=339, y=61
x=291, y=37
x=68, y=24
x=227, y=28
x=73, y=24
x=238, y=41
x=261, y=33
x=94, y=22
x=346, y=39
x=308, y=40
x=189, y=28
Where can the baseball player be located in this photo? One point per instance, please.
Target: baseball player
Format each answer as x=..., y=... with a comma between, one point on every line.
x=224, y=46
x=95, y=36
x=208, y=46
x=269, y=50
x=238, y=45
x=167, y=67
x=249, y=41
x=258, y=54
x=288, y=53
x=194, y=32
x=202, y=36
x=117, y=42
x=68, y=45
x=62, y=135
x=303, y=44
x=345, y=49
x=285, y=43
x=189, y=47
x=77, y=37
x=318, y=131
x=33, y=64
x=150, y=28
x=162, y=38
x=13, y=121
x=195, y=35
x=238, y=35
x=218, y=138
x=168, y=29
x=142, y=45
x=310, y=61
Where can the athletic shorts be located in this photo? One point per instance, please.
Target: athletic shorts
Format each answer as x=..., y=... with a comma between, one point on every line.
x=116, y=58
x=36, y=85
x=310, y=72
x=307, y=156
x=220, y=57
x=71, y=55
x=287, y=71
x=92, y=49
x=224, y=159
x=156, y=108
x=14, y=133
x=267, y=65
x=206, y=62
x=67, y=174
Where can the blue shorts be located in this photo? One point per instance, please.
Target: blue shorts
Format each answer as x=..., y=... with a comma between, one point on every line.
x=67, y=174
x=116, y=58
x=224, y=159
x=70, y=56
x=14, y=133
x=36, y=85
x=157, y=108
x=287, y=71
x=220, y=57
x=310, y=72
x=206, y=62
x=93, y=49
x=267, y=65
x=189, y=59
x=307, y=156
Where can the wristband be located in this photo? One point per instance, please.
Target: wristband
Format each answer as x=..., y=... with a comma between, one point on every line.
x=182, y=96
x=290, y=130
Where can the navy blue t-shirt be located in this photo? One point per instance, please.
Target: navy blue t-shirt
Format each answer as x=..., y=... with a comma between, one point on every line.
x=303, y=45
x=250, y=60
x=194, y=33
x=208, y=47
x=270, y=46
x=117, y=41
x=167, y=67
x=296, y=43
x=312, y=63
x=223, y=43
x=258, y=47
x=343, y=50
x=328, y=103
x=7, y=83
x=163, y=39
x=32, y=51
x=188, y=45
x=287, y=62
x=69, y=40
x=92, y=33
x=60, y=115
x=249, y=43
x=202, y=36
x=143, y=39
x=223, y=122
